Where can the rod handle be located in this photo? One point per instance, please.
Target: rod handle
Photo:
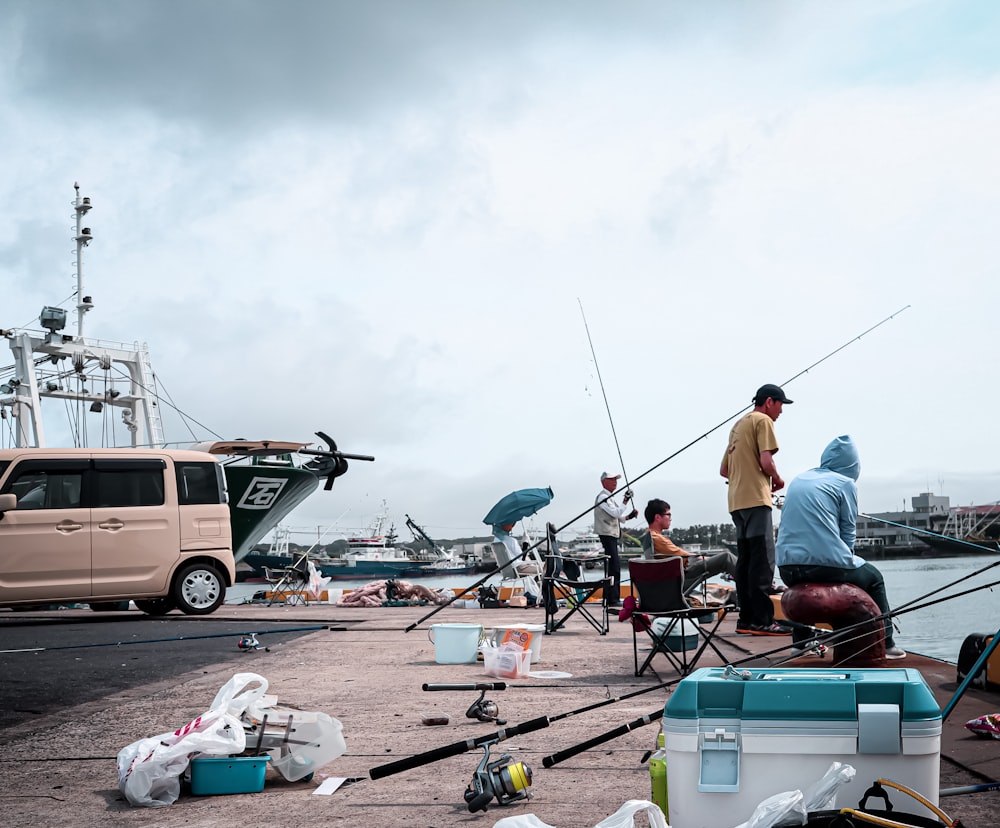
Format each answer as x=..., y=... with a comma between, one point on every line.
x=485, y=685
x=421, y=759
x=600, y=739
x=456, y=748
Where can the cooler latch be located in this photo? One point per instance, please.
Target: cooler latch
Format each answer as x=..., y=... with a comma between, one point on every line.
x=720, y=761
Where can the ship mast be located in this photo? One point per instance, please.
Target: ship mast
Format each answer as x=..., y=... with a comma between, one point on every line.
x=83, y=237
x=90, y=376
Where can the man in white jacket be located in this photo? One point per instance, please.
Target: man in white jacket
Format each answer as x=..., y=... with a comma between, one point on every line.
x=609, y=516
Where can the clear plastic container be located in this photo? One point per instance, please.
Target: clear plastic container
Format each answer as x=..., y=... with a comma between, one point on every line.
x=507, y=663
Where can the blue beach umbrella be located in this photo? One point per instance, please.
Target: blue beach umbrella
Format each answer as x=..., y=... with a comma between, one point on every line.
x=517, y=505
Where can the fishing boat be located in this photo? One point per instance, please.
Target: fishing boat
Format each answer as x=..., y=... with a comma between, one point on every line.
x=966, y=529
x=586, y=548
x=442, y=561
x=74, y=377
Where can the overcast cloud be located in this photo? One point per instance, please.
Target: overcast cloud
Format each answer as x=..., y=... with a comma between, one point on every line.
x=381, y=219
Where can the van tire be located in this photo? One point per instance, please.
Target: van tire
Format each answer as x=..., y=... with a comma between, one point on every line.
x=156, y=606
x=199, y=589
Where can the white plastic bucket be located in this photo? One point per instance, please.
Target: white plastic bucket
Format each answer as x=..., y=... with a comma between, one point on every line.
x=455, y=643
x=536, y=630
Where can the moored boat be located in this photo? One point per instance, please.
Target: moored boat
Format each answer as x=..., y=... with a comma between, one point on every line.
x=73, y=377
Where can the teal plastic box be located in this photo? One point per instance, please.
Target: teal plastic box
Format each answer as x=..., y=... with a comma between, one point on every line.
x=214, y=775
x=736, y=737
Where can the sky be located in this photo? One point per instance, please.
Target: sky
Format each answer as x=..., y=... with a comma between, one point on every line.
x=514, y=244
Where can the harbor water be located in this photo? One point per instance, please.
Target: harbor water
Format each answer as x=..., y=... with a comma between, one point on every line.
x=937, y=630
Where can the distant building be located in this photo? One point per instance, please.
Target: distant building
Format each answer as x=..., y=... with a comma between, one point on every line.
x=878, y=539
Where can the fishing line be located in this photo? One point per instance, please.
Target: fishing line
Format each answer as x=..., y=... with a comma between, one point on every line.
x=163, y=640
x=614, y=433
x=649, y=471
x=978, y=547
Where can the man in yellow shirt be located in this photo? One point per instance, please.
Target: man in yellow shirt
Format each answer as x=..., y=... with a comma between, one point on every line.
x=748, y=465
x=697, y=568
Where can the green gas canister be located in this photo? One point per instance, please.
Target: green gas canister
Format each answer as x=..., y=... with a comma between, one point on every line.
x=658, y=779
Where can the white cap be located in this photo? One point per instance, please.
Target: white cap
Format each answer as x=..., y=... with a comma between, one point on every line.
x=609, y=476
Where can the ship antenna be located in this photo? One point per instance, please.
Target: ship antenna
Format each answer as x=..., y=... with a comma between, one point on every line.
x=83, y=238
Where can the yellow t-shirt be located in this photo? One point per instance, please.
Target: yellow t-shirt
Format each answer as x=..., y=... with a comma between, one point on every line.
x=748, y=485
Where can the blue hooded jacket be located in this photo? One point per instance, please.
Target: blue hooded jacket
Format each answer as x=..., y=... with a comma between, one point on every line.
x=820, y=515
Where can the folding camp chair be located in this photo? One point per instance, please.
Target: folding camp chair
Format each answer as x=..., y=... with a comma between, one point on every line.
x=660, y=588
x=523, y=574
x=564, y=578
x=289, y=584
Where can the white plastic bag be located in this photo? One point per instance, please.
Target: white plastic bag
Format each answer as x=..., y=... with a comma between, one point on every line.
x=239, y=694
x=149, y=770
x=624, y=817
x=521, y=821
x=822, y=795
x=793, y=807
x=783, y=808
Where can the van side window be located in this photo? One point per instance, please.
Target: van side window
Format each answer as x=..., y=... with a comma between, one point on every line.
x=124, y=483
x=47, y=489
x=199, y=483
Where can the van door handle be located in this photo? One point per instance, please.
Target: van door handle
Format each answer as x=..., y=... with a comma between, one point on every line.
x=67, y=526
x=114, y=524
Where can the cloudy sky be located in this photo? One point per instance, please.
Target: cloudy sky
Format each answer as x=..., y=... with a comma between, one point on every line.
x=382, y=220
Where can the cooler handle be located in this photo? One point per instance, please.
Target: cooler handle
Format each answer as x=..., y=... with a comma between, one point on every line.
x=877, y=790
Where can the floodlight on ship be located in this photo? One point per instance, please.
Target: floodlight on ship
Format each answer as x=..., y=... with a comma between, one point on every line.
x=52, y=319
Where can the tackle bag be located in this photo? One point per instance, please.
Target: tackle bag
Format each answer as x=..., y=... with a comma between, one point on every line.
x=968, y=655
x=886, y=817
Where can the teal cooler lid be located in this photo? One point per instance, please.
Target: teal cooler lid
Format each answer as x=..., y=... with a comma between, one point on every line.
x=799, y=694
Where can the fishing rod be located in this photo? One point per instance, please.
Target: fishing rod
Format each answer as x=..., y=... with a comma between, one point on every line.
x=163, y=640
x=656, y=715
x=457, y=748
x=650, y=470
x=840, y=636
x=965, y=789
x=607, y=407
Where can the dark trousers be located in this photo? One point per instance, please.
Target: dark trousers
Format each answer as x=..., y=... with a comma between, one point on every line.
x=754, y=565
x=867, y=577
x=610, y=544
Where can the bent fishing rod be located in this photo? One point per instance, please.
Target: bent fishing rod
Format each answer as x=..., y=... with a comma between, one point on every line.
x=650, y=470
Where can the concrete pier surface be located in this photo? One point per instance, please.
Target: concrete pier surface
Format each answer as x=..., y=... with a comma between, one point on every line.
x=58, y=751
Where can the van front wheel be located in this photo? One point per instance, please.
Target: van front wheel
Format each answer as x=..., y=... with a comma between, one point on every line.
x=199, y=589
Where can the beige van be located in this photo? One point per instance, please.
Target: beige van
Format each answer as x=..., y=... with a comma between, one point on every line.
x=104, y=526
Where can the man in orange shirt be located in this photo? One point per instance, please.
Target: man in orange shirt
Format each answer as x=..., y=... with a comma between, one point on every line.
x=697, y=568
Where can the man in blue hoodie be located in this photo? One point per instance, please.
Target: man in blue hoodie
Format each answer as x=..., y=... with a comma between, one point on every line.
x=818, y=528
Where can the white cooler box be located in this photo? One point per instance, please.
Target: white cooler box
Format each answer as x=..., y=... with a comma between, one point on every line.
x=732, y=742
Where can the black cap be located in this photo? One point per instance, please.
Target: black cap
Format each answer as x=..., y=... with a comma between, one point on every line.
x=772, y=391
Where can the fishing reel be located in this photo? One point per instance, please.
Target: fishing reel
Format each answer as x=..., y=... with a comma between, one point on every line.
x=484, y=710
x=249, y=642
x=505, y=780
